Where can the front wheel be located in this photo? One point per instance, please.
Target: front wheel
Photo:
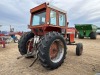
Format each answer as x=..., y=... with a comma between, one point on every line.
x=79, y=49
x=52, y=50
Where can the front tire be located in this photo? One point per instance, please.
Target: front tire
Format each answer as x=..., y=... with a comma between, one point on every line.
x=79, y=49
x=52, y=50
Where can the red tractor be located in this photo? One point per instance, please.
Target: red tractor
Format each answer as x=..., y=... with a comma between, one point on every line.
x=48, y=38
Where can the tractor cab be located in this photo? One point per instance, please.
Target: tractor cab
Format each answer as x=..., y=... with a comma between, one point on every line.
x=46, y=18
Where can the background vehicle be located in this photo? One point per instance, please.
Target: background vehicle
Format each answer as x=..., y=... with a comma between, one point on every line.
x=86, y=30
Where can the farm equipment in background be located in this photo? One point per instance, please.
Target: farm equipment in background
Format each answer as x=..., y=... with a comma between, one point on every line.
x=10, y=36
x=2, y=41
x=98, y=31
x=48, y=37
x=86, y=30
x=13, y=35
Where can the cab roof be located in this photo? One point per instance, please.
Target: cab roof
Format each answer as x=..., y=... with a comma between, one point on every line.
x=44, y=6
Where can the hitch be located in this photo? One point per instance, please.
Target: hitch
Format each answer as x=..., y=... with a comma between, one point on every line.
x=36, y=57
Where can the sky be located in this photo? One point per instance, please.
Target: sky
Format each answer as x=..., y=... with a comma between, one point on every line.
x=17, y=12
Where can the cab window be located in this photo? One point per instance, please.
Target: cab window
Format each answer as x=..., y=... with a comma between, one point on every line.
x=39, y=18
x=52, y=17
x=61, y=19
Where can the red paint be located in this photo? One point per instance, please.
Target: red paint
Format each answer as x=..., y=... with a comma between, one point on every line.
x=41, y=30
x=71, y=32
x=2, y=42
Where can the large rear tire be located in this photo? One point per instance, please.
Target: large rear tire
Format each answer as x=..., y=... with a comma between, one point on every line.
x=23, y=42
x=93, y=35
x=52, y=50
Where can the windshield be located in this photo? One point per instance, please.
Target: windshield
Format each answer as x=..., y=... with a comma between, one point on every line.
x=39, y=18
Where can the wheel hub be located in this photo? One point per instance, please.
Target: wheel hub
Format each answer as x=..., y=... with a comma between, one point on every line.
x=53, y=50
x=56, y=51
x=30, y=45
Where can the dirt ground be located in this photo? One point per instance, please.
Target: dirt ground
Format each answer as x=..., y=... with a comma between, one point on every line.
x=87, y=64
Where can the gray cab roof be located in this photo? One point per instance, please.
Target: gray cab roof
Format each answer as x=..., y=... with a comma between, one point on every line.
x=54, y=7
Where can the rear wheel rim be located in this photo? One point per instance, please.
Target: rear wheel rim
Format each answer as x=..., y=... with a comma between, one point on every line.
x=29, y=46
x=56, y=51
